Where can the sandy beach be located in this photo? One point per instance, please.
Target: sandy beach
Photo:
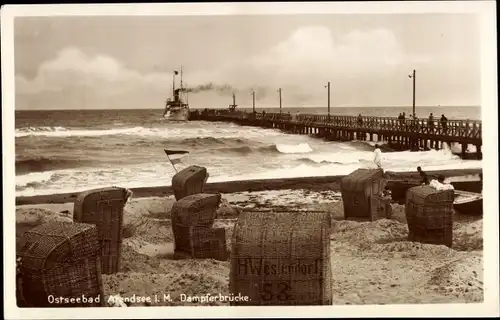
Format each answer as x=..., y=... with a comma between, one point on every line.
x=372, y=262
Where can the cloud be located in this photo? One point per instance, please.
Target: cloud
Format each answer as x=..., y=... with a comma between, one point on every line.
x=72, y=68
x=312, y=53
x=302, y=64
x=102, y=79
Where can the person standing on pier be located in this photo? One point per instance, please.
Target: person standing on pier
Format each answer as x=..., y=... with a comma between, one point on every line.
x=444, y=122
x=297, y=116
x=431, y=122
x=360, y=120
x=377, y=156
x=360, y=124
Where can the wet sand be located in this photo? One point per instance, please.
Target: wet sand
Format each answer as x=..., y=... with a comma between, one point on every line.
x=372, y=262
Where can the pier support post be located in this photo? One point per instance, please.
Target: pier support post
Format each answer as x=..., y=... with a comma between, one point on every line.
x=479, y=153
x=464, y=149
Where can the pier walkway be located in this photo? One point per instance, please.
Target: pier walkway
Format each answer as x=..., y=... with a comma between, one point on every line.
x=397, y=133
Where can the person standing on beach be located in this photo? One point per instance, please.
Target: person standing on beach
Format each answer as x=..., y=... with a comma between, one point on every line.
x=377, y=156
x=423, y=176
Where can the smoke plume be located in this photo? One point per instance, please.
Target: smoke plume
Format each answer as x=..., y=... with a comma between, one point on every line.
x=211, y=87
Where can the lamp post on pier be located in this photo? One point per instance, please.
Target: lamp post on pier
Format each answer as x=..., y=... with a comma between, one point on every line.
x=413, y=77
x=279, y=91
x=253, y=101
x=328, y=86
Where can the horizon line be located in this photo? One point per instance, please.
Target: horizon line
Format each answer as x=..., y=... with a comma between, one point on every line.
x=267, y=107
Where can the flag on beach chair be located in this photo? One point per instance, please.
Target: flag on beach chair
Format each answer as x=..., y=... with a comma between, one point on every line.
x=175, y=156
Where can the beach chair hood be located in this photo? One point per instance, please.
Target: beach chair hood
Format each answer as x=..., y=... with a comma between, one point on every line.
x=55, y=242
x=359, y=179
x=428, y=195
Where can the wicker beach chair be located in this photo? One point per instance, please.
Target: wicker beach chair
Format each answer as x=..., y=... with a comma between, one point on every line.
x=282, y=258
x=198, y=209
x=362, y=195
x=60, y=259
x=429, y=214
x=192, y=220
x=103, y=207
x=188, y=181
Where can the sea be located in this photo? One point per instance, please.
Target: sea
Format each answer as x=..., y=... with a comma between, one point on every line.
x=74, y=150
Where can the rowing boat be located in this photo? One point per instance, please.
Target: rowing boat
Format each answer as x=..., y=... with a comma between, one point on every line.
x=468, y=202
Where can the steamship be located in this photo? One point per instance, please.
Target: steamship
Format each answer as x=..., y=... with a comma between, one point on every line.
x=177, y=107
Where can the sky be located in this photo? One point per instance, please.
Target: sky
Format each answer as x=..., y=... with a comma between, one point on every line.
x=108, y=62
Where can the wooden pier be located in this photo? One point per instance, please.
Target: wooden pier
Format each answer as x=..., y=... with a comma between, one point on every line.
x=408, y=134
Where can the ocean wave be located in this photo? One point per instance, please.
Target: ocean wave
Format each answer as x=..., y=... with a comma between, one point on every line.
x=287, y=148
x=66, y=132
x=297, y=148
x=40, y=131
x=159, y=174
x=361, y=145
x=250, y=147
x=211, y=141
x=172, y=131
x=243, y=150
x=312, y=161
x=33, y=179
x=41, y=164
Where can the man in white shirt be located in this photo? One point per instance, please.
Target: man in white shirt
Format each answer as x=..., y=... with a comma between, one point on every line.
x=377, y=156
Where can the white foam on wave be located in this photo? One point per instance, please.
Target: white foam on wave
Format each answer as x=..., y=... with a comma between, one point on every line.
x=343, y=154
x=40, y=131
x=292, y=149
x=160, y=174
x=65, y=132
x=333, y=169
x=32, y=177
x=175, y=130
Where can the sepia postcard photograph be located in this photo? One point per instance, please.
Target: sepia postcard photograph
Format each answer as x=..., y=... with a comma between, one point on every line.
x=258, y=159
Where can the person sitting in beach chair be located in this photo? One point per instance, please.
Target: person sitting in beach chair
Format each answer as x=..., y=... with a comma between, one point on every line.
x=377, y=156
x=440, y=185
x=423, y=176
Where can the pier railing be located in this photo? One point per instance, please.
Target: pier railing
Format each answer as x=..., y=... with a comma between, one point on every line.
x=463, y=131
